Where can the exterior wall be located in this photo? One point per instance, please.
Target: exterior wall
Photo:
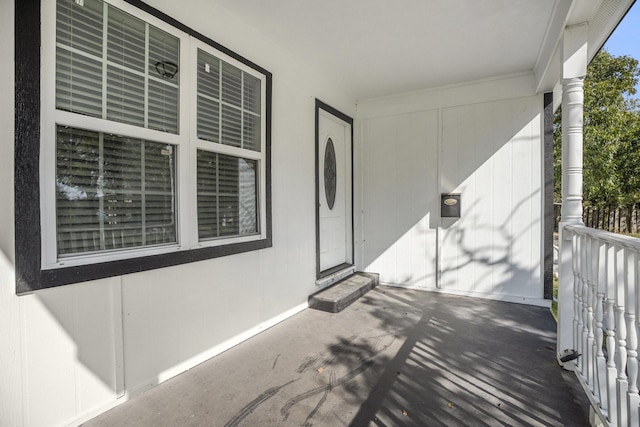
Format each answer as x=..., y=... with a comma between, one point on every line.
x=483, y=140
x=11, y=389
x=69, y=353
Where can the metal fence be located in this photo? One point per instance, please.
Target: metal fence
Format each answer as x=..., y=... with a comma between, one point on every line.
x=616, y=219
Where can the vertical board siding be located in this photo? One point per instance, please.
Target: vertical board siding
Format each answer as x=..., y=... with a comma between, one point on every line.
x=11, y=357
x=400, y=198
x=495, y=163
x=169, y=320
x=71, y=351
x=490, y=153
x=294, y=251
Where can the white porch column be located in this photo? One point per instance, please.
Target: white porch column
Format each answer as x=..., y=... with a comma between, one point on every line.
x=574, y=70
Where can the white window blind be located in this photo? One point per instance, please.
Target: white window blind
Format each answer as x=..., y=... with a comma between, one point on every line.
x=79, y=57
x=164, y=50
x=208, y=97
x=131, y=59
x=227, y=203
x=112, y=192
x=229, y=104
x=228, y=112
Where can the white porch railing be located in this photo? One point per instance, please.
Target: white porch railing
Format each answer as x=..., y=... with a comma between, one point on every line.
x=606, y=305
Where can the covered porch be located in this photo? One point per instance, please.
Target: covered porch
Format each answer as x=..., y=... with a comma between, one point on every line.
x=394, y=357
x=439, y=100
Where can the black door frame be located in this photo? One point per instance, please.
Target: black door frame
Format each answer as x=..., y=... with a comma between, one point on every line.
x=327, y=108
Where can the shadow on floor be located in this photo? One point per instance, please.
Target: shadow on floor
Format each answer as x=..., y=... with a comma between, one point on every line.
x=396, y=357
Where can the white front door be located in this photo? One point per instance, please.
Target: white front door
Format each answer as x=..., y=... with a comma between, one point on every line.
x=334, y=190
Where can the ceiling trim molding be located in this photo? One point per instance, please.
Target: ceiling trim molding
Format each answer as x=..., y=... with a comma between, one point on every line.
x=551, y=43
x=603, y=19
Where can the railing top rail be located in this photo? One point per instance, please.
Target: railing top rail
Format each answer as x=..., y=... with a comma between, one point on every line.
x=628, y=242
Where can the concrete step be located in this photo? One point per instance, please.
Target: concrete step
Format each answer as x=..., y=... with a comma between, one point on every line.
x=338, y=296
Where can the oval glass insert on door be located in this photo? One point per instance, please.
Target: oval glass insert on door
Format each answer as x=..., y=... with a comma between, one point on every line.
x=330, y=171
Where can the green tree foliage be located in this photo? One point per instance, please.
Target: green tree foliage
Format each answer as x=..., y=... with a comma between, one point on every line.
x=611, y=133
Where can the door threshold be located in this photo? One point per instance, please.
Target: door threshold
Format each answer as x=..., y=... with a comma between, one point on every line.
x=335, y=277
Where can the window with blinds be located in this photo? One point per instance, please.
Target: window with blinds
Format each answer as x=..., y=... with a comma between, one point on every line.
x=228, y=104
x=228, y=113
x=120, y=74
x=112, y=192
x=131, y=122
x=227, y=204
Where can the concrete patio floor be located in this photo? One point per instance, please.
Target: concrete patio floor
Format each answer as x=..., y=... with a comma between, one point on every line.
x=395, y=357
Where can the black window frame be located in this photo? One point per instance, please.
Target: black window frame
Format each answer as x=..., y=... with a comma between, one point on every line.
x=30, y=276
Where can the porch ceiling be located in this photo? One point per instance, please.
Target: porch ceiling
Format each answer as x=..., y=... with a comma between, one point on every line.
x=381, y=47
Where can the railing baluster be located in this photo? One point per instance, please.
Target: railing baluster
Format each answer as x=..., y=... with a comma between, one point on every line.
x=584, y=263
x=621, y=326
x=591, y=268
x=611, y=335
x=606, y=321
x=634, y=277
x=633, y=399
x=577, y=298
x=600, y=275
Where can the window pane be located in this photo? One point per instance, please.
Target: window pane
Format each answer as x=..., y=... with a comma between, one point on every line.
x=208, y=75
x=208, y=126
x=164, y=60
x=163, y=47
x=126, y=40
x=137, y=92
x=112, y=192
x=248, y=202
x=207, y=183
x=231, y=126
x=229, y=104
x=122, y=164
x=80, y=27
x=251, y=131
x=159, y=194
x=79, y=74
x=231, y=85
x=227, y=202
x=163, y=106
x=77, y=201
x=251, y=93
x=78, y=83
x=228, y=195
x=208, y=119
x=125, y=97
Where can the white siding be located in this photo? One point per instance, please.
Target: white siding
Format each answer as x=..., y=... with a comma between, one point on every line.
x=400, y=197
x=494, y=162
x=72, y=358
x=482, y=140
x=11, y=362
x=169, y=320
x=69, y=353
